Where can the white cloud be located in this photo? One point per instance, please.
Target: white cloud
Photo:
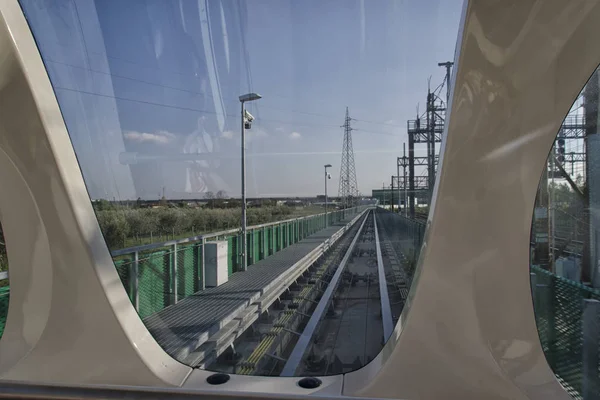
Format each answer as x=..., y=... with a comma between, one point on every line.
x=160, y=137
x=255, y=133
x=295, y=136
x=227, y=135
x=279, y=129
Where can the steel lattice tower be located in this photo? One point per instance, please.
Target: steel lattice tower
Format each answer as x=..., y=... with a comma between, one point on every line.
x=348, y=189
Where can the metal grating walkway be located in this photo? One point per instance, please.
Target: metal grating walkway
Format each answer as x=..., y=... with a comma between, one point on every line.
x=181, y=328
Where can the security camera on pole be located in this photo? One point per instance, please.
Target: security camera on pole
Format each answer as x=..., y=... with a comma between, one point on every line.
x=247, y=119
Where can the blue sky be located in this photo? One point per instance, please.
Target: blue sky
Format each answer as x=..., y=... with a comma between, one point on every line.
x=161, y=78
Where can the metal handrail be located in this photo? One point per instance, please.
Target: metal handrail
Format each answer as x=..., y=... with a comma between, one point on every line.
x=197, y=238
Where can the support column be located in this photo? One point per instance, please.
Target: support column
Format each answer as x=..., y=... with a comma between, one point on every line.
x=541, y=224
x=411, y=172
x=592, y=273
x=589, y=264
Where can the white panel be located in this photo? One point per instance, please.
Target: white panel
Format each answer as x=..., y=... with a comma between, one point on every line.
x=216, y=269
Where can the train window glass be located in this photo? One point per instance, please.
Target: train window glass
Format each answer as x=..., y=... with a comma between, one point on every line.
x=157, y=95
x=565, y=249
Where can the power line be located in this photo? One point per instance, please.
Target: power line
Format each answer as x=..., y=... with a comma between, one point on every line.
x=208, y=95
x=204, y=111
x=378, y=123
x=143, y=102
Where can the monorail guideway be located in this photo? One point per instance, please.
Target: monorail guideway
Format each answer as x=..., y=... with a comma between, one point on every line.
x=335, y=317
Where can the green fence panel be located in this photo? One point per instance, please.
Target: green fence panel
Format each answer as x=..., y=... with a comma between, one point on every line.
x=153, y=282
x=279, y=237
x=198, y=254
x=295, y=228
x=123, y=267
x=559, y=312
x=273, y=240
x=187, y=270
x=264, y=249
x=256, y=244
x=232, y=248
x=248, y=249
x=4, y=298
x=296, y=231
x=155, y=267
x=283, y=236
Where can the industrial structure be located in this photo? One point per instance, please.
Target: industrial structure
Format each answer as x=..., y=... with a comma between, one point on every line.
x=416, y=182
x=563, y=238
x=348, y=188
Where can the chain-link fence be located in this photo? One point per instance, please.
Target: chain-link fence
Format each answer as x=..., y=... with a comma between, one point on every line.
x=568, y=319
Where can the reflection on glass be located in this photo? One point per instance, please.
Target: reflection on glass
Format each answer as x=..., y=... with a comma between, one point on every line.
x=150, y=94
x=565, y=250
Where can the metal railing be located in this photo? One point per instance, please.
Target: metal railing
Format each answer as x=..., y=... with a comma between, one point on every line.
x=397, y=226
x=160, y=274
x=567, y=315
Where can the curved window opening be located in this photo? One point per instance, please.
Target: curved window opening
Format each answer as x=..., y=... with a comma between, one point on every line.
x=300, y=265
x=565, y=249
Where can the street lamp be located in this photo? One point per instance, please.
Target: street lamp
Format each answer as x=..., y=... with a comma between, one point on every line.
x=327, y=176
x=247, y=119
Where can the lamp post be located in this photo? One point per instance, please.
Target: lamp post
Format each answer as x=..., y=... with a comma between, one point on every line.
x=326, y=177
x=246, y=120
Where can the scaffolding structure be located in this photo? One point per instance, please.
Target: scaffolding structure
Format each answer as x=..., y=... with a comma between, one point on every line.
x=562, y=227
x=427, y=128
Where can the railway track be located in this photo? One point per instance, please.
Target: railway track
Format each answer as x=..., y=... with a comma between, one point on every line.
x=263, y=348
x=362, y=310
x=337, y=316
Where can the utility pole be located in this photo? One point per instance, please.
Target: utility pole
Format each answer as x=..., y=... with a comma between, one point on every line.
x=392, y=188
x=405, y=183
x=246, y=124
x=591, y=245
x=411, y=169
x=448, y=65
x=431, y=141
x=398, y=180
x=326, y=200
x=551, y=210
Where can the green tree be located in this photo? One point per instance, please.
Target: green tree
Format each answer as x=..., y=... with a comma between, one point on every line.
x=210, y=196
x=114, y=227
x=167, y=220
x=103, y=205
